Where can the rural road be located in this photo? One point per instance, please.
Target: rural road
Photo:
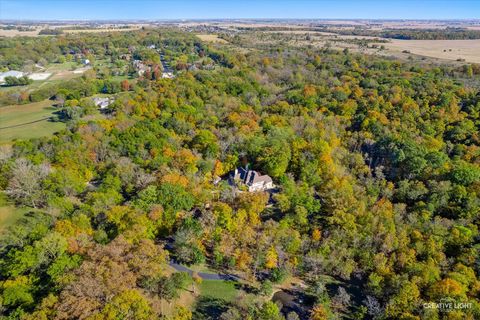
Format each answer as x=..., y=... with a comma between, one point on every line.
x=203, y=275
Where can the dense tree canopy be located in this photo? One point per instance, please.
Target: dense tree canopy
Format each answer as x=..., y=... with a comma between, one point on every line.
x=376, y=163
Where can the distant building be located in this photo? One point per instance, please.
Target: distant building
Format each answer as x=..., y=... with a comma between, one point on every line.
x=192, y=67
x=252, y=179
x=103, y=103
x=167, y=75
x=11, y=73
x=140, y=67
x=216, y=180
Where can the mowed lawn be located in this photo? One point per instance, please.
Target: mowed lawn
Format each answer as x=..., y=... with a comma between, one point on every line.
x=218, y=289
x=9, y=214
x=27, y=121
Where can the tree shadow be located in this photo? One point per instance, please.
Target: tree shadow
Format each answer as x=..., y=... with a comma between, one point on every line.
x=58, y=116
x=294, y=300
x=208, y=308
x=246, y=287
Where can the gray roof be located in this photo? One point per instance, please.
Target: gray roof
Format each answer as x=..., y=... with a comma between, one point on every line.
x=102, y=102
x=250, y=177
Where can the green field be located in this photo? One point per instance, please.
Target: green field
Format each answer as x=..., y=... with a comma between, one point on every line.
x=56, y=67
x=27, y=121
x=217, y=289
x=9, y=214
x=215, y=296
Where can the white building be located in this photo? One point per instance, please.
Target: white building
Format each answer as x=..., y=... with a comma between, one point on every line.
x=103, y=103
x=167, y=75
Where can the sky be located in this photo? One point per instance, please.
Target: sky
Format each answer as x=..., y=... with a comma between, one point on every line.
x=237, y=9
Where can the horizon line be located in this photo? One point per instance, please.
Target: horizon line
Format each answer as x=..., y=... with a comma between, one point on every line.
x=233, y=19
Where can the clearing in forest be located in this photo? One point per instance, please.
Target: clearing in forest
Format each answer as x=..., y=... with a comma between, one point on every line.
x=211, y=38
x=28, y=121
x=9, y=214
x=469, y=50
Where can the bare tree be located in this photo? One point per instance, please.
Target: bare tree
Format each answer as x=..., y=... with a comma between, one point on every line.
x=341, y=299
x=25, y=182
x=373, y=306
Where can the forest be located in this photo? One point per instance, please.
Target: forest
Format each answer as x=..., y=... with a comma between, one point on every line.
x=375, y=162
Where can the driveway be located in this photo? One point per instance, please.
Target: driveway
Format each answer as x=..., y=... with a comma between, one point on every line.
x=203, y=275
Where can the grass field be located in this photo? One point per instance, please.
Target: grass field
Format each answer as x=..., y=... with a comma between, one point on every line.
x=27, y=121
x=442, y=49
x=59, y=72
x=15, y=33
x=211, y=38
x=56, y=67
x=217, y=289
x=215, y=296
x=66, y=71
x=9, y=214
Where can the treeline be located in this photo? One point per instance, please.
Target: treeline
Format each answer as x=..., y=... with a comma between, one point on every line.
x=410, y=34
x=50, y=32
x=20, y=81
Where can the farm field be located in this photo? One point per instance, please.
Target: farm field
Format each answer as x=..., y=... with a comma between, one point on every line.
x=17, y=33
x=211, y=38
x=100, y=30
x=27, y=121
x=442, y=49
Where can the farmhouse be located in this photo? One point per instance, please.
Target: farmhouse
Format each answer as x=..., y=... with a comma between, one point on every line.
x=252, y=179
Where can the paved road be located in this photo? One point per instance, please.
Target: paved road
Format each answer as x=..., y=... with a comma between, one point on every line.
x=203, y=275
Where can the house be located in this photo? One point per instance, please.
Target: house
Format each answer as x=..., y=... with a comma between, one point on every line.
x=103, y=103
x=140, y=67
x=252, y=179
x=11, y=73
x=167, y=75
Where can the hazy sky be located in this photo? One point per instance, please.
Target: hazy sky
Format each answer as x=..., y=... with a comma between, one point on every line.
x=204, y=9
